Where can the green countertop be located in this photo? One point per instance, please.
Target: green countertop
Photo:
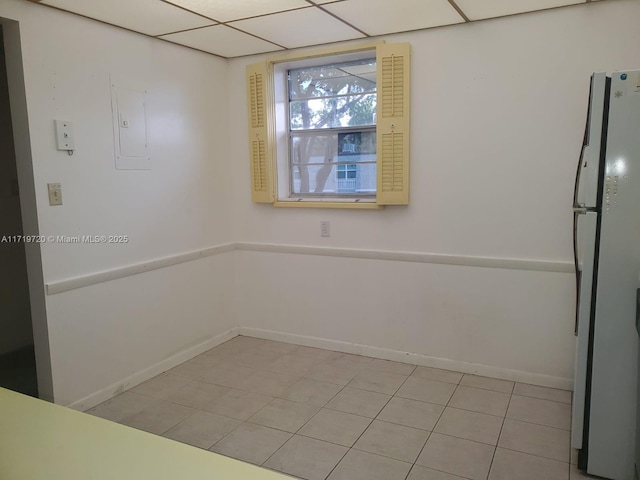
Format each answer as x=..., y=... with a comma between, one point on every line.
x=40, y=440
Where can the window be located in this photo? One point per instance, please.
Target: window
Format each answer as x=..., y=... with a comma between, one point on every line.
x=330, y=108
x=331, y=130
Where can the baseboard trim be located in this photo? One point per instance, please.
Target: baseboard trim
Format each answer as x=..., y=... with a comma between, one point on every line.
x=137, y=378
x=412, y=358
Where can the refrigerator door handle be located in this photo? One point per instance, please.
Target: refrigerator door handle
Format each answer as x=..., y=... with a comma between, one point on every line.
x=576, y=186
x=576, y=212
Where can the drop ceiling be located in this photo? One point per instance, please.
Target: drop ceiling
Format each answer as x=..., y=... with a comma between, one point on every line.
x=234, y=28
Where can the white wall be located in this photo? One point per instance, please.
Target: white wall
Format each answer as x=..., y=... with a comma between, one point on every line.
x=498, y=112
x=100, y=336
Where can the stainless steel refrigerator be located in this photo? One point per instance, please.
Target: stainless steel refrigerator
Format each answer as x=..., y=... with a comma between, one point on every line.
x=607, y=255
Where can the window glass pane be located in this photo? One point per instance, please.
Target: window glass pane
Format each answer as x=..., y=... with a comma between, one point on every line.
x=334, y=163
x=356, y=145
x=326, y=179
x=348, y=111
x=347, y=147
x=346, y=78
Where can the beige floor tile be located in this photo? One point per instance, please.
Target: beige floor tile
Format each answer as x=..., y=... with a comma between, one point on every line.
x=318, y=354
x=202, y=429
x=352, y=361
x=537, y=440
x=428, y=373
x=284, y=415
x=122, y=406
x=429, y=391
x=359, y=402
x=278, y=347
x=423, y=473
x=479, y=400
x=291, y=364
x=235, y=345
x=392, y=367
x=541, y=412
x=457, y=456
x=206, y=359
x=575, y=474
x=238, y=404
x=269, y=383
x=254, y=358
x=161, y=386
x=159, y=417
x=411, y=413
x=335, y=427
x=557, y=395
x=391, y=440
x=229, y=374
x=306, y=458
x=331, y=373
x=196, y=368
x=510, y=465
x=475, y=426
x=574, y=457
x=243, y=342
x=312, y=392
x=251, y=443
x=378, y=381
x=487, y=383
x=197, y=394
x=238, y=380
x=357, y=465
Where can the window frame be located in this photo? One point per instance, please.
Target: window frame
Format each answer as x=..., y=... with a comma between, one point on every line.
x=392, y=165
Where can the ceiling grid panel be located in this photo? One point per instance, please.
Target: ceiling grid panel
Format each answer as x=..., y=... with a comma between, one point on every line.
x=236, y=28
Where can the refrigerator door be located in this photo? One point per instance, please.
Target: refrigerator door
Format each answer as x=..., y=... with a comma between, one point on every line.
x=585, y=192
x=586, y=228
x=611, y=420
x=586, y=188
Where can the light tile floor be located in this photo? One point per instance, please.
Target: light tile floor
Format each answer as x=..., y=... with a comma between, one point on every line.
x=317, y=414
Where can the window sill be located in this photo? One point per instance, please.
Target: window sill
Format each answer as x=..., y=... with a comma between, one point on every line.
x=366, y=205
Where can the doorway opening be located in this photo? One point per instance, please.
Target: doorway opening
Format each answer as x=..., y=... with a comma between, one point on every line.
x=24, y=332
x=17, y=353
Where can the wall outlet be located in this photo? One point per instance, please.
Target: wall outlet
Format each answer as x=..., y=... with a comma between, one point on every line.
x=325, y=229
x=65, y=139
x=55, y=193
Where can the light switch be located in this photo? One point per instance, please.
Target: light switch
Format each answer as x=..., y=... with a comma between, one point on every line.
x=55, y=193
x=64, y=135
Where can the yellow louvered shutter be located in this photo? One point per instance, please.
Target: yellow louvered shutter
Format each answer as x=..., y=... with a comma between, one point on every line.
x=393, y=65
x=259, y=148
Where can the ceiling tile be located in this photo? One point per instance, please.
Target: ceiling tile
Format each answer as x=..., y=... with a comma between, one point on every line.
x=299, y=28
x=222, y=40
x=152, y=17
x=479, y=9
x=227, y=10
x=377, y=17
